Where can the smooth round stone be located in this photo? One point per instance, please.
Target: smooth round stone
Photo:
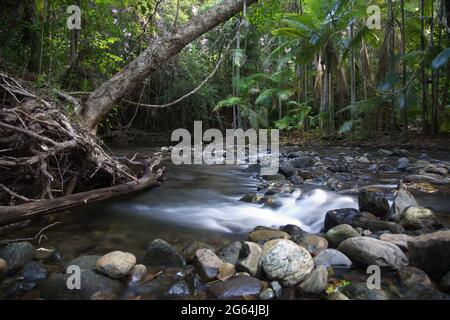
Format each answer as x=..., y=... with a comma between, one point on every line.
x=314, y=244
x=337, y=296
x=340, y=233
x=267, y=294
x=285, y=261
x=17, y=254
x=116, y=264
x=138, y=273
x=412, y=277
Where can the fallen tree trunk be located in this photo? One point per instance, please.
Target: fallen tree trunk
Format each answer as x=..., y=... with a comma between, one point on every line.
x=149, y=179
x=110, y=92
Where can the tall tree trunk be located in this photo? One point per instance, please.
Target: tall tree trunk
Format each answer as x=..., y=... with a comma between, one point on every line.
x=404, y=110
x=423, y=70
x=110, y=92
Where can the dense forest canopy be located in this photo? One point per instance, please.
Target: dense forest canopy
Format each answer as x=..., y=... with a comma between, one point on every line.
x=293, y=64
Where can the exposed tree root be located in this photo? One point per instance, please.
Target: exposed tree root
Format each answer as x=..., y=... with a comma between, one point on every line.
x=48, y=162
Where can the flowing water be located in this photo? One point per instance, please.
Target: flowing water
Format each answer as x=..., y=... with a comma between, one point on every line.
x=201, y=202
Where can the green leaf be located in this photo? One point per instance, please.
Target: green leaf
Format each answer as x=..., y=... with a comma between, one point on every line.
x=441, y=59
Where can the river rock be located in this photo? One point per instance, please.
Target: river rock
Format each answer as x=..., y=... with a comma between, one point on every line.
x=226, y=270
x=17, y=254
x=370, y=251
x=368, y=221
x=420, y=292
x=3, y=267
x=427, y=178
x=116, y=264
x=230, y=253
x=431, y=253
x=190, y=250
x=400, y=240
x=416, y=218
x=403, y=163
x=263, y=235
x=303, y=162
x=445, y=282
x=373, y=202
x=33, y=271
x=159, y=252
x=285, y=261
x=267, y=294
x=277, y=289
x=340, y=233
x=316, y=282
x=138, y=273
x=332, y=258
x=235, y=287
x=251, y=258
x=337, y=296
x=296, y=180
x=314, y=244
x=384, y=152
x=360, y=291
x=402, y=201
x=287, y=169
x=55, y=286
x=410, y=277
x=340, y=216
x=250, y=197
x=295, y=232
x=208, y=264
x=179, y=288
x=43, y=253
x=437, y=170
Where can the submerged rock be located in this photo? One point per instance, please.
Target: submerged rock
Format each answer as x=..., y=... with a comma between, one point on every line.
x=179, y=288
x=360, y=291
x=285, y=261
x=138, y=273
x=316, y=282
x=33, y=271
x=431, y=253
x=267, y=294
x=159, y=252
x=91, y=281
x=370, y=251
x=373, y=202
x=251, y=197
x=17, y=254
x=235, y=287
x=340, y=233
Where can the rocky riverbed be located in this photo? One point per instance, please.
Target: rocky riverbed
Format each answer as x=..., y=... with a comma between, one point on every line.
x=391, y=228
